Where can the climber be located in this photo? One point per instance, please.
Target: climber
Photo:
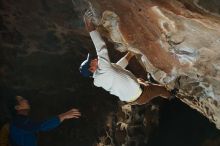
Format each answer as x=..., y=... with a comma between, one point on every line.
x=113, y=77
x=23, y=130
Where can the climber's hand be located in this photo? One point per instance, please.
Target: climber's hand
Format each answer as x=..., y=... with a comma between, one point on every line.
x=73, y=113
x=129, y=55
x=142, y=81
x=88, y=21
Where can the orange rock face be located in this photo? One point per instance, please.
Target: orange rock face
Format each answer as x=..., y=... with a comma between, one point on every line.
x=139, y=28
x=178, y=42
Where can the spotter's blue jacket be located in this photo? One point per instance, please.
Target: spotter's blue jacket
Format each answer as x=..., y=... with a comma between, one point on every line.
x=23, y=130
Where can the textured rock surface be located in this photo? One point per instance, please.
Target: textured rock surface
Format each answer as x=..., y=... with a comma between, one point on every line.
x=41, y=46
x=179, y=42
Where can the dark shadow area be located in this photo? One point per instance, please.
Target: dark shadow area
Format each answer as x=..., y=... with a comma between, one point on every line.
x=211, y=5
x=182, y=126
x=42, y=44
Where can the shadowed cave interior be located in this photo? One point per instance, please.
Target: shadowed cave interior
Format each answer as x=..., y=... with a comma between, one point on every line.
x=42, y=45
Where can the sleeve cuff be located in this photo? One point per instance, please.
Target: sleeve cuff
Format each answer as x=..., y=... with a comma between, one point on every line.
x=123, y=62
x=95, y=36
x=97, y=39
x=93, y=33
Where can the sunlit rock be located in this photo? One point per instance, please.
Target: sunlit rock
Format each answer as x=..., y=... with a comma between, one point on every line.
x=177, y=42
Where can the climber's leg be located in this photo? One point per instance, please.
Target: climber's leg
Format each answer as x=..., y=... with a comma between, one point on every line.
x=150, y=92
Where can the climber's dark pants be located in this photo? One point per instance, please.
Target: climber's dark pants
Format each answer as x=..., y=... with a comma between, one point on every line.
x=151, y=91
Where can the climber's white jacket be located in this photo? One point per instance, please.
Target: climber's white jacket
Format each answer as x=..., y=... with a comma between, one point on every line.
x=113, y=77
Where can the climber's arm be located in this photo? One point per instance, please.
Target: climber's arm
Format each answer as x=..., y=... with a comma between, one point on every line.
x=123, y=62
x=100, y=46
x=101, y=49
